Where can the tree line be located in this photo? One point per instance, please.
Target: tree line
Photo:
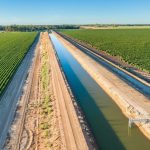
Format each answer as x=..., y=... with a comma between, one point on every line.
x=30, y=28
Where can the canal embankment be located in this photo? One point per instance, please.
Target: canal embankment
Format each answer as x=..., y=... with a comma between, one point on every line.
x=72, y=131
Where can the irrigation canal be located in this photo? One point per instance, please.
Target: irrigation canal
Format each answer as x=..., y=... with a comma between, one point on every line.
x=108, y=124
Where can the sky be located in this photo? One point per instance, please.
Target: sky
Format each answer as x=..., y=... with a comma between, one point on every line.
x=74, y=12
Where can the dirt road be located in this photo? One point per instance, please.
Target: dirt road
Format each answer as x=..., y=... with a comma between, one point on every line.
x=131, y=102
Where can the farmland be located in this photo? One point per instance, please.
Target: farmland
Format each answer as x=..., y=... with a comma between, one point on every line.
x=13, y=47
x=131, y=45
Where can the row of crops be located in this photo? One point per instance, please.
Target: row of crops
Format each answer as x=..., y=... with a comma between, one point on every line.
x=132, y=45
x=13, y=47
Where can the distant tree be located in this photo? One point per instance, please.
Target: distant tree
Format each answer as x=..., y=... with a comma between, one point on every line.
x=2, y=28
x=30, y=28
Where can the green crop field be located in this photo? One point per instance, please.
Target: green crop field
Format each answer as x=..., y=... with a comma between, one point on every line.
x=13, y=47
x=132, y=45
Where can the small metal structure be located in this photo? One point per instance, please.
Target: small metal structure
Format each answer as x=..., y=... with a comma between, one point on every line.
x=140, y=120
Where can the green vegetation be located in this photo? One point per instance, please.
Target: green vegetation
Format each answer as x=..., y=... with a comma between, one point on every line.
x=44, y=126
x=13, y=47
x=45, y=103
x=132, y=45
x=32, y=28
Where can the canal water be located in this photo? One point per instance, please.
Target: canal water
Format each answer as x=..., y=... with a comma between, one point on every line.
x=108, y=124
